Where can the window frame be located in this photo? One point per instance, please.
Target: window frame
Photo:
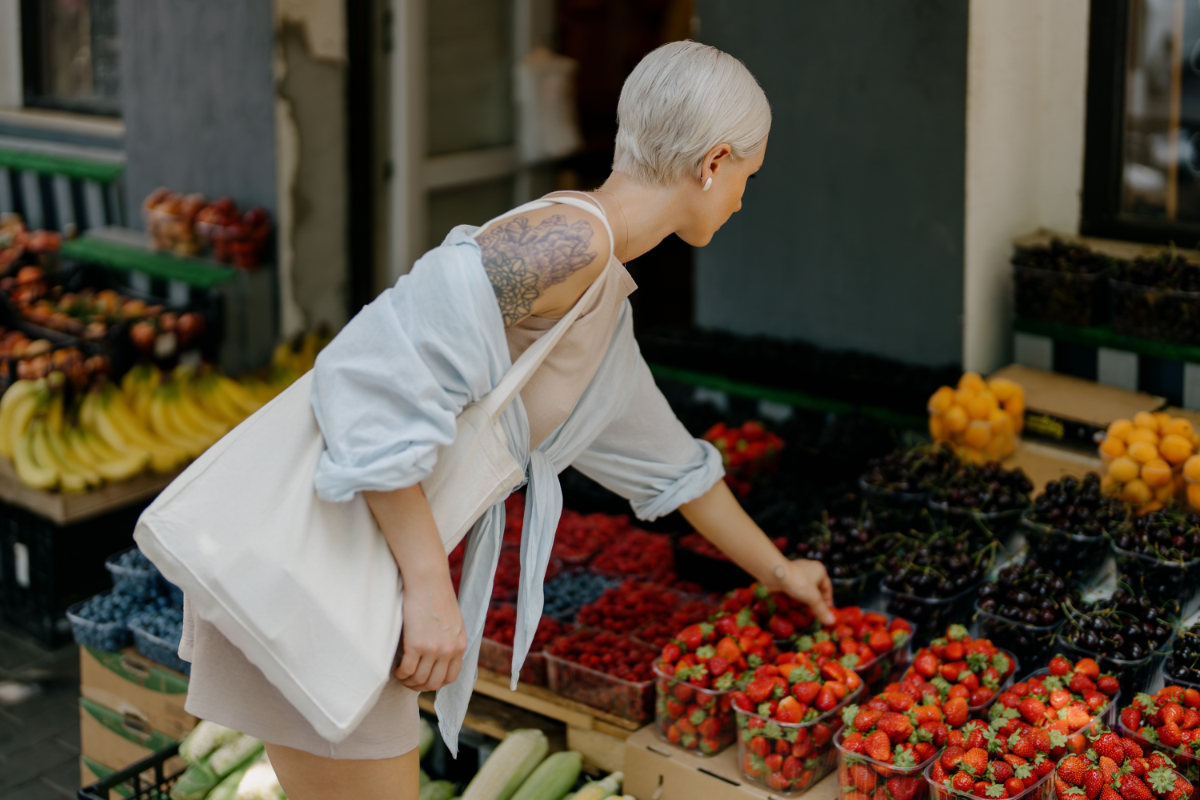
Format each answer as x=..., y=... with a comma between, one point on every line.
x=32, y=78
x=1100, y=212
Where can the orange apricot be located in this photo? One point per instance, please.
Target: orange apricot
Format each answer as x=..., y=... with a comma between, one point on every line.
x=1193, y=495
x=978, y=434
x=1179, y=427
x=1156, y=473
x=1120, y=429
x=941, y=400
x=1142, y=435
x=1143, y=452
x=1164, y=494
x=972, y=381
x=1144, y=419
x=1123, y=469
x=1002, y=424
x=1136, y=492
x=1112, y=447
x=1175, y=448
x=1163, y=419
x=1015, y=405
x=1191, y=469
x=956, y=419
x=963, y=397
x=1003, y=388
x=1148, y=508
x=982, y=406
x=1108, y=484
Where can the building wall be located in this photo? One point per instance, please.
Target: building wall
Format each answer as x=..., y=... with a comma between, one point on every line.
x=198, y=99
x=852, y=235
x=1026, y=98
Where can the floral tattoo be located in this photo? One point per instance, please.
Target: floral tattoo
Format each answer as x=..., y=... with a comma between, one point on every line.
x=522, y=261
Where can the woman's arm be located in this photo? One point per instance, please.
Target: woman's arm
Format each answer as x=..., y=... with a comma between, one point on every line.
x=433, y=636
x=719, y=517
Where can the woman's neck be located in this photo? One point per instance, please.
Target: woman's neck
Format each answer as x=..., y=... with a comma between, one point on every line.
x=640, y=216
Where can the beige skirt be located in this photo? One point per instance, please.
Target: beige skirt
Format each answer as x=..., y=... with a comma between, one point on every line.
x=227, y=689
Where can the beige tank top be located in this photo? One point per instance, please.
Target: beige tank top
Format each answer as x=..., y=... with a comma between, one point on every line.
x=552, y=392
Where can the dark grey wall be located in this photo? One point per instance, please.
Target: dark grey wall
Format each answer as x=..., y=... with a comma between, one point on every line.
x=198, y=99
x=852, y=234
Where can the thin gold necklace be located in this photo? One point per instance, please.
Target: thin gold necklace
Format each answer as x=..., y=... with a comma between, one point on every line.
x=623, y=218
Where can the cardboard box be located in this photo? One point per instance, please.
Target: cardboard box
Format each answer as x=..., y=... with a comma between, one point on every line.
x=655, y=769
x=130, y=683
x=1070, y=411
x=117, y=740
x=1044, y=463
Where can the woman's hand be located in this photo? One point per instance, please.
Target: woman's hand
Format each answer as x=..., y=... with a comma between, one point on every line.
x=433, y=638
x=719, y=517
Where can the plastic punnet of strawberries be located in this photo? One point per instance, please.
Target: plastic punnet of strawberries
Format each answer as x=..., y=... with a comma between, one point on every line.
x=495, y=651
x=658, y=633
x=889, y=739
x=1167, y=721
x=1066, y=697
x=779, y=613
x=860, y=640
x=695, y=673
x=787, y=714
x=960, y=666
x=1115, y=767
x=748, y=452
x=992, y=766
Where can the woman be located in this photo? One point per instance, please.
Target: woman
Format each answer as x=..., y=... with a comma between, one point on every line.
x=693, y=129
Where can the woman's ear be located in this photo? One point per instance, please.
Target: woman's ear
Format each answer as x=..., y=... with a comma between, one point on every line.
x=714, y=160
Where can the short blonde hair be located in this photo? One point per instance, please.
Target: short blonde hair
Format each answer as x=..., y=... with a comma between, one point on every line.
x=679, y=102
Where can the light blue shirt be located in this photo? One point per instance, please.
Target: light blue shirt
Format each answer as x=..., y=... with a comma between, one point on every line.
x=387, y=391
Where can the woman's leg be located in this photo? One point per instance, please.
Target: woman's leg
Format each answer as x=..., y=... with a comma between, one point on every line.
x=305, y=776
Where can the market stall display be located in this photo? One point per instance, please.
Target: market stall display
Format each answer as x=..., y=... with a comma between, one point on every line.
x=979, y=419
x=1166, y=723
x=1115, y=767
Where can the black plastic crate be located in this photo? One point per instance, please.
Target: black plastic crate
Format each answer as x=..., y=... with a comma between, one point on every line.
x=145, y=780
x=46, y=567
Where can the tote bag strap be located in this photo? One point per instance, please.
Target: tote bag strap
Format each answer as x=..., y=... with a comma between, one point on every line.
x=515, y=379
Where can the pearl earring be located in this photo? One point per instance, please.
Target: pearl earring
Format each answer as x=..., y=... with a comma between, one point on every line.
x=707, y=185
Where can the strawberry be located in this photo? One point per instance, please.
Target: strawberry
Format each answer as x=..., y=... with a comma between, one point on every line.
x=759, y=689
x=690, y=638
x=1040, y=739
x=963, y=782
x=1088, y=667
x=1131, y=718
x=1108, y=793
x=1132, y=748
x=1081, y=683
x=925, y=664
x=905, y=787
x=1024, y=748
x=956, y=712
x=1059, y=698
x=863, y=778
x=1032, y=710
x=1093, y=781
x=1000, y=771
x=865, y=719
x=806, y=691
x=898, y=727
x=880, y=641
x=1014, y=786
x=790, y=710
x=1059, y=666
x=853, y=742
x=1169, y=734
x=1191, y=698
x=924, y=751
x=1108, y=684
x=878, y=746
x=1171, y=712
x=975, y=761
x=1109, y=744
x=1133, y=788
x=826, y=701
x=951, y=757
x=1191, y=719
x=1071, y=770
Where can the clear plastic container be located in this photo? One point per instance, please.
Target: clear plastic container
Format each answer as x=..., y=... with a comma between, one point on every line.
x=908, y=781
x=1107, y=716
x=1034, y=641
x=1164, y=582
x=885, y=667
x=110, y=636
x=940, y=791
x=143, y=584
x=1164, y=315
x=811, y=754
x=1185, y=759
x=498, y=658
x=1067, y=555
x=627, y=699
x=1070, y=298
x=156, y=648
x=930, y=617
x=693, y=719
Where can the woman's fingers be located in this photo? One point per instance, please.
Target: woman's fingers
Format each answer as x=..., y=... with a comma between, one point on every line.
x=454, y=669
x=421, y=676
x=408, y=665
x=437, y=676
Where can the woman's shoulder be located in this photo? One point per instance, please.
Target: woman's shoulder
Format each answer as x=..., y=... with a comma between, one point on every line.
x=542, y=257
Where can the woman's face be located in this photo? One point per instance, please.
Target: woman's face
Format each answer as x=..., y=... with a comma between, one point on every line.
x=713, y=208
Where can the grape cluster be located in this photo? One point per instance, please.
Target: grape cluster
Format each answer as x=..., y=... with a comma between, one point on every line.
x=1027, y=593
x=847, y=546
x=987, y=488
x=1124, y=627
x=1184, y=662
x=1076, y=507
x=909, y=471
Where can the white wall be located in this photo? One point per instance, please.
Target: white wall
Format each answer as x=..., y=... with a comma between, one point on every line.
x=1026, y=92
x=10, y=53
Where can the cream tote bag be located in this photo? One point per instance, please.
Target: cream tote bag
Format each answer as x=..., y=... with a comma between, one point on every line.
x=308, y=590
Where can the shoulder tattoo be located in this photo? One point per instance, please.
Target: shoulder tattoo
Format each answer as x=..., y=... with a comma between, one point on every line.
x=522, y=261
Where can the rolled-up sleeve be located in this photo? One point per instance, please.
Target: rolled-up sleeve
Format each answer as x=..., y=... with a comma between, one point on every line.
x=646, y=455
x=388, y=388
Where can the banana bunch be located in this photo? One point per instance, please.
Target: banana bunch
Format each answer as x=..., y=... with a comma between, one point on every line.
x=298, y=354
